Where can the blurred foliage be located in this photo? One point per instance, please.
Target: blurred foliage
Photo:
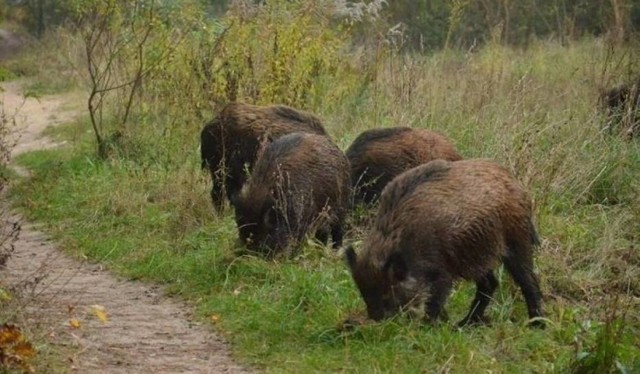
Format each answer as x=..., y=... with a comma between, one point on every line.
x=177, y=64
x=277, y=53
x=431, y=23
x=428, y=24
x=150, y=66
x=3, y=10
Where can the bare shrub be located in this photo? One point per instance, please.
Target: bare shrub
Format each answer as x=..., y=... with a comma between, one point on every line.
x=125, y=44
x=9, y=230
x=15, y=350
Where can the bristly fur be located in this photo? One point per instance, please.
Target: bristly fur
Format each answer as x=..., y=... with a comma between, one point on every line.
x=300, y=182
x=231, y=142
x=444, y=221
x=622, y=106
x=379, y=155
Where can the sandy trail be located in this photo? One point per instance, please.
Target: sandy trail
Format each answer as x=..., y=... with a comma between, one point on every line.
x=146, y=332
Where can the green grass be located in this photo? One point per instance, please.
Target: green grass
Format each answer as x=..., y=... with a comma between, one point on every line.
x=5, y=75
x=54, y=86
x=280, y=316
x=147, y=215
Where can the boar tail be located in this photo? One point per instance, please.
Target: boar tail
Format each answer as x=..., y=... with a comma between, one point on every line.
x=535, y=239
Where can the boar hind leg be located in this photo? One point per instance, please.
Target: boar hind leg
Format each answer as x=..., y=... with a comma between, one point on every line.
x=521, y=270
x=485, y=287
x=441, y=285
x=218, y=180
x=234, y=177
x=217, y=196
x=337, y=234
x=322, y=235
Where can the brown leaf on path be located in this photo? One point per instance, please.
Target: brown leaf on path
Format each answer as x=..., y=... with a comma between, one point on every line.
x=9, y=334
x=100, y=312
x=15, y=350
x=74, y=323
x=24, y=350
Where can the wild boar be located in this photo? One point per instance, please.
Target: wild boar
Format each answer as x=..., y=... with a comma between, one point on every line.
x=622, y=107
x=229, y=144
x=300, y=183
x=441, y=222
x=379, y=155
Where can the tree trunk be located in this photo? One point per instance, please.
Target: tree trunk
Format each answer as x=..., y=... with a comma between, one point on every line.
x=617, y=34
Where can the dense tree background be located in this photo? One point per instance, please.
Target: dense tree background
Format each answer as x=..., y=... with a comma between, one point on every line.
x=429, y=24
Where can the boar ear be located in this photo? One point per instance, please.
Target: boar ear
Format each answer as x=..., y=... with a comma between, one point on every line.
x=396, y=267
x=351, y=257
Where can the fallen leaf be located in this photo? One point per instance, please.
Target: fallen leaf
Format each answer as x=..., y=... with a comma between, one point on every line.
x=4, y=295
x=99, y=311
x=9, y=334
x=74, y=323
x=24, y=350
x=15, y=351
x=215, y=318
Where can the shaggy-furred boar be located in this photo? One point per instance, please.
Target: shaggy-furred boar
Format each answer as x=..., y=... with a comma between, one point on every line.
x=379, y=155
x=300, y=183
x=230, y=142
x=622, y=106
x=441, y=222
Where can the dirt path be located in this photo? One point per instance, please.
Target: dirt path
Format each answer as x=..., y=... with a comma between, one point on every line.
x=145, y=332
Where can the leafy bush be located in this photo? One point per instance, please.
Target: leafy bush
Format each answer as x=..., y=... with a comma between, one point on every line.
x=5, y=74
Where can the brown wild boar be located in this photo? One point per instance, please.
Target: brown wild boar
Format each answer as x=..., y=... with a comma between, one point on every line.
x=300, y=182
x=622, y=106
x=230, y=142
x=441, y=222
x=379, y=155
